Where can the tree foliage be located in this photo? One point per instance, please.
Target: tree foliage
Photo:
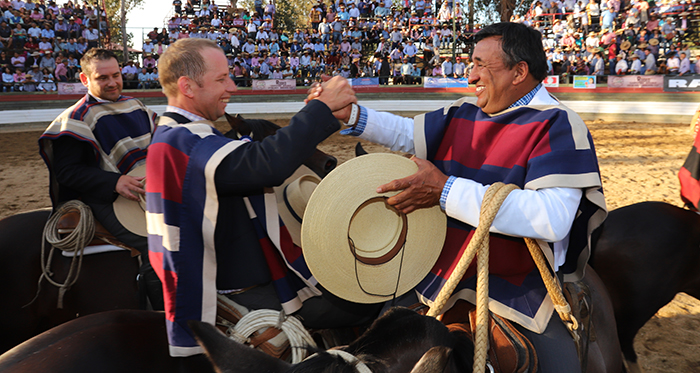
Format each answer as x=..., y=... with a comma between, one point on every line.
x=490, y=11
x=291, y=14
x=114, y=16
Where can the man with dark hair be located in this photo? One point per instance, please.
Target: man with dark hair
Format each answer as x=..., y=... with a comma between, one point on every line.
x=206, y=202
x=515, y=133
x=92, y=146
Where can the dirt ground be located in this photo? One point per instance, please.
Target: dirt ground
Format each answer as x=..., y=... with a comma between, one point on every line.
x=638, y=161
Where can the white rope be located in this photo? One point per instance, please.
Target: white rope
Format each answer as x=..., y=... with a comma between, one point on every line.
x=74, y=242
x=299, y=338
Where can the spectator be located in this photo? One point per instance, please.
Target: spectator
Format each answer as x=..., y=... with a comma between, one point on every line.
x=636, y=67
x=684, y=68
x=48, y=62
x=447, y=67
x=144, y=79
x=8, y=80
x=46, y=85
x=673, y=63
x=621, y=66
x=61, y=71
x=460, y=69
x=649, y=62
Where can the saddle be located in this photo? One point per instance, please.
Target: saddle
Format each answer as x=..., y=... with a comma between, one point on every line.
x=509, y=350
x=69, y=221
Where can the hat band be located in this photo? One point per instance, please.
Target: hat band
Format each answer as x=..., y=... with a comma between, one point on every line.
x=394, y=250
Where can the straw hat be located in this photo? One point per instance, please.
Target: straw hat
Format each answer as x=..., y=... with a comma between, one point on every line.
x=358, y=247
x=292, y=197
x=625, y=45
x=132, y=214
x=654, y=41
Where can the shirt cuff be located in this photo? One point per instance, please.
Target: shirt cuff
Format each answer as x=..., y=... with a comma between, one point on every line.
x=445, y=192
x=359, y=127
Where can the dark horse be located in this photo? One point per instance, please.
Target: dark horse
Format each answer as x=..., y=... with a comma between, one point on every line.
x=108, y=281
x=399, y=341
x=646, y=254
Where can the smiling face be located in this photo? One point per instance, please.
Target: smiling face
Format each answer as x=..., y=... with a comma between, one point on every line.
x=493, y=79
x=212, y=92
x=103, y=79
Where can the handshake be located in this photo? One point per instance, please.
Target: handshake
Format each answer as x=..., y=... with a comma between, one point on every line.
x=336, y=93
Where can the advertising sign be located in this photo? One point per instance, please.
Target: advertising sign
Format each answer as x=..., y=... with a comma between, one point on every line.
x=430, y=82
x=635, y=81
x=551, y=81
x=682, y=83
x=364, y=82
x=584, y=81
x=71, y=89
x=275, y=85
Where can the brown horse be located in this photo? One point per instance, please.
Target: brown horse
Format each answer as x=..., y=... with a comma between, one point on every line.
x=107, y=281
x=646, y=254
x=399, y=341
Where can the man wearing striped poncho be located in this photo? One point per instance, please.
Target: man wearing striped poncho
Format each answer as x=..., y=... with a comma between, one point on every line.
x=515, y=133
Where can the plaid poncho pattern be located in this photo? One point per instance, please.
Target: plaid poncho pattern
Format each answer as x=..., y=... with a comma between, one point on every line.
x=119, y=131
x=533, y=147
x=182, y=206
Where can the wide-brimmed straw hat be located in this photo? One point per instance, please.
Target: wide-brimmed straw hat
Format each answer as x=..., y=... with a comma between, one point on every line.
x=625, y=45
x=132, y=214
x=292, y=197
x=360, y=248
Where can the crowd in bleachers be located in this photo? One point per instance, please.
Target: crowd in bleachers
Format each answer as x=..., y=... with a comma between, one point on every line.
x=353, y=38
x=616, y=37
x=399, y=42
x=41, y=42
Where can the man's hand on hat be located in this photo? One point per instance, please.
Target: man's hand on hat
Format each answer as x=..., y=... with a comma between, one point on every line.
x=318, y=89
x=128, y=186
x=420, y=190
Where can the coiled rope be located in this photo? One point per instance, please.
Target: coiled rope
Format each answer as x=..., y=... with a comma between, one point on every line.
x=479, y=246
x=257, y=320
x=74, y=242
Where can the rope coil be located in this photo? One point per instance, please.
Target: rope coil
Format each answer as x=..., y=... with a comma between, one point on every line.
x=479, y=246
x=299, y=338
x=74, y=242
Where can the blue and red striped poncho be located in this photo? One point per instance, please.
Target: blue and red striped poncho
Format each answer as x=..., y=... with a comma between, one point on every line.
x=182, y=206
x=118, y=131
x=533, y=147
x=689, y=176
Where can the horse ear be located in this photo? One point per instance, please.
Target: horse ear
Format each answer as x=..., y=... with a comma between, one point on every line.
x=433, y=361
x=229, y=356
x=359, y=150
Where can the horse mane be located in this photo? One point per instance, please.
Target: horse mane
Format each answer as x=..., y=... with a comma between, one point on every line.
x=324, y=363
x=257, y=129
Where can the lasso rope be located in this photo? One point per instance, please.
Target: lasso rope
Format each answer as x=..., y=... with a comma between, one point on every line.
x=74, y=242
x=479, y=245
x=254, y=321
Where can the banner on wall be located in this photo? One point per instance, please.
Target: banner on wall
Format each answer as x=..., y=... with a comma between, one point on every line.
x=681, y=83
x=71, y=89
x=584, y=81
x=635, y=81
x=429, y=82
x=275, y=85
x=551, y=81
x=364, y=82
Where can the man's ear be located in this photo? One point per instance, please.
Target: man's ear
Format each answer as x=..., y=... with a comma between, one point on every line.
x=83, y=79
x=184, y=85
x=521, y=72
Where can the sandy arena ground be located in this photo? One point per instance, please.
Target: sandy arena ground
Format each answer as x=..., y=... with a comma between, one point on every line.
x=639, y=162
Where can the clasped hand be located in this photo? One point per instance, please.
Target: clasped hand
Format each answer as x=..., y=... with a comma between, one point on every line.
x=130, y=187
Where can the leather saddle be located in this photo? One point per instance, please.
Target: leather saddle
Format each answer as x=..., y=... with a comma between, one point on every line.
x=69, y=221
